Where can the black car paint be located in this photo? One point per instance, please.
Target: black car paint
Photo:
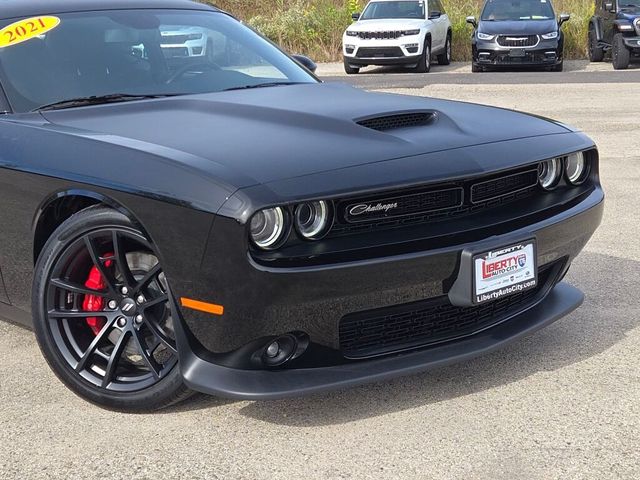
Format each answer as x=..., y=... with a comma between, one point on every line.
x=184, y=170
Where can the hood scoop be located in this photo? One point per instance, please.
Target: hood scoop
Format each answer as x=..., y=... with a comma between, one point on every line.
x=397, y=121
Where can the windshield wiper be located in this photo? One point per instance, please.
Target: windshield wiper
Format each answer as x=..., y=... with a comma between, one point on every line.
x=263, y=85
x=100, y=100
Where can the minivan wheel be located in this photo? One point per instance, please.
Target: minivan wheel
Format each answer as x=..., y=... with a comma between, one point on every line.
x=102, y=314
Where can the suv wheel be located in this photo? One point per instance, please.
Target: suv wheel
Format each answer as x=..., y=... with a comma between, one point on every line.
x=424, y=65
x=349, y=69
x=596, y=54
x=621, y=55
x=445, y=58
x=102, y=314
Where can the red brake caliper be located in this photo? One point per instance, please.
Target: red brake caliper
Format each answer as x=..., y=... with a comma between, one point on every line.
x=95, y=303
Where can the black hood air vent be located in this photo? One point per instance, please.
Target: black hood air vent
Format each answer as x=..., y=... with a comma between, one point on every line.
x=403, y=120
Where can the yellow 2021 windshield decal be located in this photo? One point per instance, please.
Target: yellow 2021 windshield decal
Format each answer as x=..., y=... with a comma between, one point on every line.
x=26, y=29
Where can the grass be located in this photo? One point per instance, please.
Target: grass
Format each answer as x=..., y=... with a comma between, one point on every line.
x=315, y=27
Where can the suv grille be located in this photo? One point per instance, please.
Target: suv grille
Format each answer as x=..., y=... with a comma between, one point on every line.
x=379, y=52
x=517, y=40
x=381, y=35
x=420, y=324
x=433, y=203
x=391, y=122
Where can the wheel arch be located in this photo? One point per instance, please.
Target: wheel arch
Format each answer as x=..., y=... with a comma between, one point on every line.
x=596, y=24
x=61, y=205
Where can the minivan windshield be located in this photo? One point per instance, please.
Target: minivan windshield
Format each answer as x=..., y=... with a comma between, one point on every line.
x=515, y=10
x=122, y=55
x=382, y=10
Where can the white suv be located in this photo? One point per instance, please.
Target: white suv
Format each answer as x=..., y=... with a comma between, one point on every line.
x=398, y=32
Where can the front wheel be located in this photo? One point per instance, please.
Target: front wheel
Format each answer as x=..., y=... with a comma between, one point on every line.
x=596, y=53
x=621, y=57
x=349, y=70
x=475, y=68
x=424, y=65
x=102, y=314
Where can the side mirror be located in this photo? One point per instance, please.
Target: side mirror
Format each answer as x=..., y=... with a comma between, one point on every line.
x=472, y=21
x=306, y=62
x=434, y=15
x=564, y=17
x=355, y=16
x=609, y=7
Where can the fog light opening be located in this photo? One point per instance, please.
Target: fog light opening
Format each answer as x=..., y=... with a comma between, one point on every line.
x=284, y=349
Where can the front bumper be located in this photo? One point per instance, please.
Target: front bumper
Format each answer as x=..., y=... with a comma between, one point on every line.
x=402, y=51
x=270, y=302
x=489, y=53
x=632, y=43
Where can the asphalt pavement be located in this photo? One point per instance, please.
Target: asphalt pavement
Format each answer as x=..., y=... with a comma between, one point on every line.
x=563, y=403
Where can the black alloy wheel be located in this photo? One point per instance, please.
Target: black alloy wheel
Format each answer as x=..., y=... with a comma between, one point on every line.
x=102, y=313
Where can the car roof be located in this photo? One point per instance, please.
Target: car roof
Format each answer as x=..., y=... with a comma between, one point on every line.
x=25, y=8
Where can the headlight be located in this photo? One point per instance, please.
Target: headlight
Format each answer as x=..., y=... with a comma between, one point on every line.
x=267, y=228
x=194, y=36
x=351, y=34
x=549, y=173
x=409, y=33
x=625, y=27
x=576, y=168
x=313, y=219
x=484, y=36
x=550, y=35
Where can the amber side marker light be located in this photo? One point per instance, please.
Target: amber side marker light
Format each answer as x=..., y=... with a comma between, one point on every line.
x=202, y=306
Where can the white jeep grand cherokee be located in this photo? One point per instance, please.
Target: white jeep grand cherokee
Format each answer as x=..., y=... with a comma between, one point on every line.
x=398, y=32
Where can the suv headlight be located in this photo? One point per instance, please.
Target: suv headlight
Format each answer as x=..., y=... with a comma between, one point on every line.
x=549, y=173
x=409, y=33
x=625, y=27
x=550, y=35
x=484, y=36
x=194, y=36
x=576, y=168
x=351, y=34
x=268, y=228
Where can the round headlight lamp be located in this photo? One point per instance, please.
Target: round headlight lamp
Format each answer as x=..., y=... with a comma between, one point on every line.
x=576, y=168
x=313, y=219
x=549, y=173
x=267, y=228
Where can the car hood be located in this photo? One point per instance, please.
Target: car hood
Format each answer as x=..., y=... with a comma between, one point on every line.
x=519, y=27
x=629, y=13
x=385, y=25
x=257, y=136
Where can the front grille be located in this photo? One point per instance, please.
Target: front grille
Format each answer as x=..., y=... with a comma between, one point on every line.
x=517, y=40
x=432, y=204
x=391, y=122
x=421, y=324
x=381, y=35
x=503, y=185
x=379, y=52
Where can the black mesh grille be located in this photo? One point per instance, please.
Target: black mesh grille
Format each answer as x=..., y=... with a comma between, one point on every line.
x=503, y=185
x=380, y=35
x=392, y=122
x=379, y=52
x=517, y=40
x=438, y=203
x=420, y=324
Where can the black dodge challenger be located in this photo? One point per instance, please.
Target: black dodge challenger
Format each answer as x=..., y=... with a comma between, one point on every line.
x=214, y=218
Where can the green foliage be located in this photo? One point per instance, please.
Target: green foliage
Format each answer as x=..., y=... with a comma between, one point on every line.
x=315, y=27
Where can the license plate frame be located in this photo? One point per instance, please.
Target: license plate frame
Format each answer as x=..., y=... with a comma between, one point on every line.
x=517, y=53
x=504, y=271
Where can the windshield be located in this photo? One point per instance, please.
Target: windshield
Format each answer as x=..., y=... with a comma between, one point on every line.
x=514, y=10
x=633, y=4
x=135, y=52
x=379, y=10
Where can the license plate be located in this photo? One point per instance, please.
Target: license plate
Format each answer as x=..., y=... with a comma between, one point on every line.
x=517, y=53
x=504, y=271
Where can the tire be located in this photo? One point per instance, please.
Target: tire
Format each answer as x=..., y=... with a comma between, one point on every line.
x=349, y=70
x=424, y=64
x=475, y=68
x=558, y=68
x=620, y=53
x=596, y=54
x=120, y=361
x=445, y=58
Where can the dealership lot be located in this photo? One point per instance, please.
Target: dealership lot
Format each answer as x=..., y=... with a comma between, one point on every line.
x=563, y=403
